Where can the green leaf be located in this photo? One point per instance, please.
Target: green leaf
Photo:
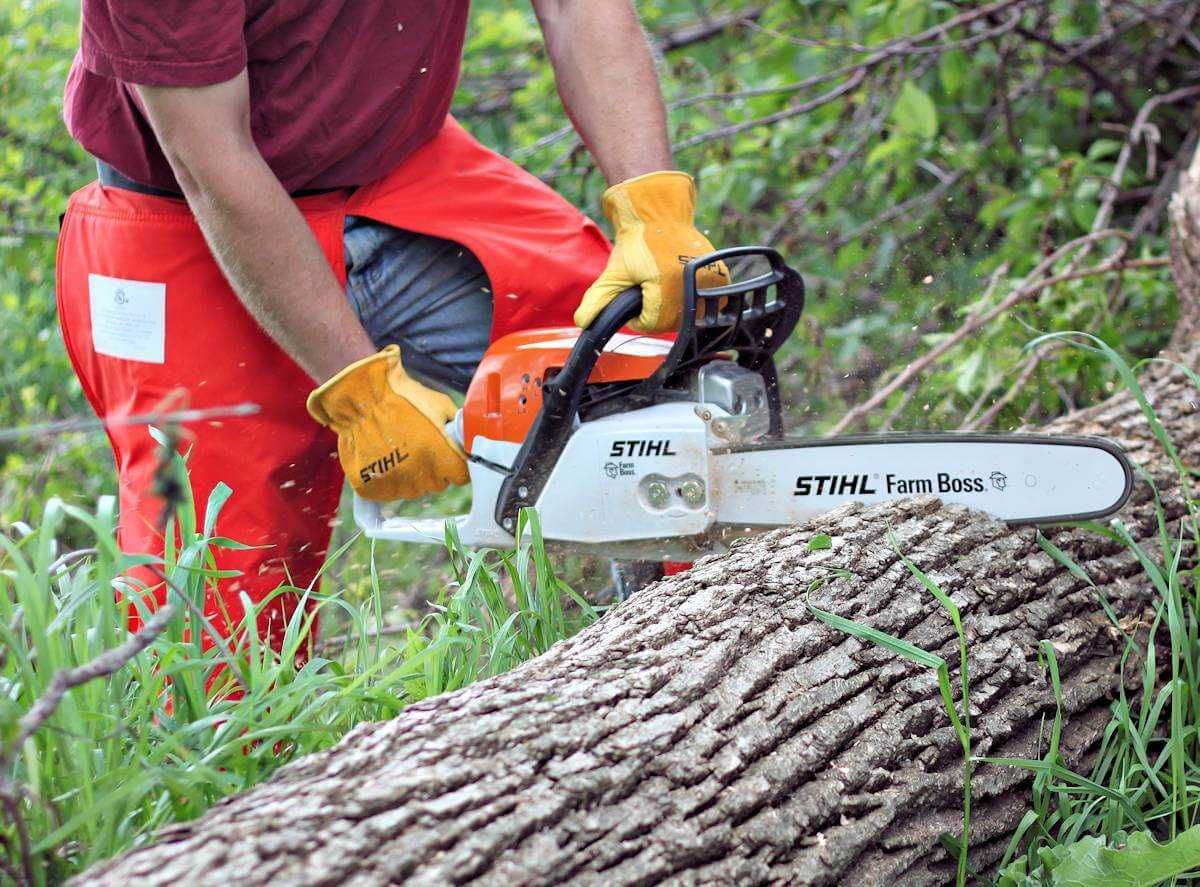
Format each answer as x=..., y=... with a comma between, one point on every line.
x=914, y=112
x=993, y=211
x=899, y=144
x=953, y=68
x=1083, y=212
x=820, y=542
x=1102, y=148
x=968, y=370
x=1142, y=861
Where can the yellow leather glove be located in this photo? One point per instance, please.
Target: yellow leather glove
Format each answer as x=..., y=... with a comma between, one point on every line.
x=389, y=428
x=655, y=221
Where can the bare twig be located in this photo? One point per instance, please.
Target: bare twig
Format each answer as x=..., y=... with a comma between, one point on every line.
x=1102, y=80
x=916, y=50
x=12, y=873
x=104, y=664
x=1031, y=367
x=1113, y=186
x=107, y=663
x=837, y=92
x=1026, y=291
x=798, y=207
x=44, y=707
x=900, y=46
x=903, y=402
x=1152, y=210
x=706, y=29
x=69, y=558
x=1142, y=15
x=686, y=35
x=12, y=806
x=175, y=417
x=945, y=182
x=899, y=210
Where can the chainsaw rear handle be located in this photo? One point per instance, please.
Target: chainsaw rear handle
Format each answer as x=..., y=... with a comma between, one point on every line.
x=735, y=317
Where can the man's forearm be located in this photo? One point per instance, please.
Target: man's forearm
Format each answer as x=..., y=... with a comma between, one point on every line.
x=275, y=265
x=255, y=231
x=608, y=84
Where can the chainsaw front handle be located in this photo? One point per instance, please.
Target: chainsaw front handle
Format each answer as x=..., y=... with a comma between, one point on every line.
x=735, y=317
x=578, y=366
x=712, y=319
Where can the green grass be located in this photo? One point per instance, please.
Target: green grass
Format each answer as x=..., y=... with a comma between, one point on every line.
x=186, y=723
x=1134, y=818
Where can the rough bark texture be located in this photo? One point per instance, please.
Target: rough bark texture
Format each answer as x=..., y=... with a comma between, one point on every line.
x=711, y=730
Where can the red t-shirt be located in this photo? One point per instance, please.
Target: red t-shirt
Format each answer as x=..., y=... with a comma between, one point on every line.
x=341, y=91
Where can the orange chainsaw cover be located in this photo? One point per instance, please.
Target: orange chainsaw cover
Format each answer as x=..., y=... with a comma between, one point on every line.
x=506, y=391
x=150, y=323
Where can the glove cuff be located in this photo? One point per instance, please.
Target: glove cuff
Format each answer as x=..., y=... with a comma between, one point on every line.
x=668, y=196
x=337, y=398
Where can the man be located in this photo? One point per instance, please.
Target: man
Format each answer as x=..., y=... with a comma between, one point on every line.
x=285, y=212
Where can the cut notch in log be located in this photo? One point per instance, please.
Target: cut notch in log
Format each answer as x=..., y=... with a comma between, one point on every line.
x=711, y=729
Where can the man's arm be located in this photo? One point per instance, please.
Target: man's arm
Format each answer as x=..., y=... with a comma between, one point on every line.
x=610, y=89
x=257, y=234
x=608, y=84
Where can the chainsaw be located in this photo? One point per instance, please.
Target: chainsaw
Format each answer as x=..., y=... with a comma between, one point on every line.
x=654, y=448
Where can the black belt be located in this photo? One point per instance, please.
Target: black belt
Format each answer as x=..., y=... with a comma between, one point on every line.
x=110, y=177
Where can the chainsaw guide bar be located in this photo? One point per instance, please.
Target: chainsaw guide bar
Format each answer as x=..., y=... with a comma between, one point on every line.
x=648, y=448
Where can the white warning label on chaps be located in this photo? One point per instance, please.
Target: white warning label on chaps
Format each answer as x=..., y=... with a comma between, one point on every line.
x=129, y=318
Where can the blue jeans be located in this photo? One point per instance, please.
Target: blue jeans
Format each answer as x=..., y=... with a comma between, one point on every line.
x=427, y=295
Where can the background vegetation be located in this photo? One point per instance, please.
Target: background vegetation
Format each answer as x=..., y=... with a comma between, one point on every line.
x=915, y=160
x=952, y=178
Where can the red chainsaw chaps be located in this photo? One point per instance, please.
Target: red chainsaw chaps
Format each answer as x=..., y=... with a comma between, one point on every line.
x=203, y=350
x=540, y=252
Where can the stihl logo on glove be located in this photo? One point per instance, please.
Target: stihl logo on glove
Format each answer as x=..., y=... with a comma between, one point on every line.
x=380, y=467
x=371, y=405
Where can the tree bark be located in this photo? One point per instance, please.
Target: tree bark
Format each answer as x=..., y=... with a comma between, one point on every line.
x=710, y=729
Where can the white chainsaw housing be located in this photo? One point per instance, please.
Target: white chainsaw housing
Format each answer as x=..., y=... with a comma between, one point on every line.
x=660, y=482
x=598, y=497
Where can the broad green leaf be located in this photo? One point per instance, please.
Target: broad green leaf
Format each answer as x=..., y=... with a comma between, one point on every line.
x=968, y=370
x=1084, y=213
x=1141, y=862
x=914, y=112
x=1102, y=148
x=897, y=146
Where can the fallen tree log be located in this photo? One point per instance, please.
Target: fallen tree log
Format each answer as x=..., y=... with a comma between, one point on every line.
x=710, y=729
